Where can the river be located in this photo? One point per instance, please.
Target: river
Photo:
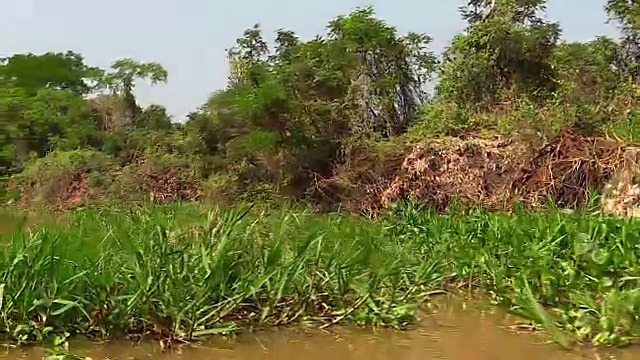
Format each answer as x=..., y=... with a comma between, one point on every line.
x=454, y=331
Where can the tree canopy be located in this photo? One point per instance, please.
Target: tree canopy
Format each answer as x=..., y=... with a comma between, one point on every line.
x=301, y=108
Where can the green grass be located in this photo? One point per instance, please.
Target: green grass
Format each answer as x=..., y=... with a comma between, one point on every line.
x=178, y=272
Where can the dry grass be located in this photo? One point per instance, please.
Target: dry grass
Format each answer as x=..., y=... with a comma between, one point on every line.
x=492, y=173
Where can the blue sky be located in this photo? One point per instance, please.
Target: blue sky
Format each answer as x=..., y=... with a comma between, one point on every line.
x=189, y=37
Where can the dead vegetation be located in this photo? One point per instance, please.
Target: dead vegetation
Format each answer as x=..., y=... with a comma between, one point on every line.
x=473, y=171
x=66, y=191
x=621, y=195
x=158, y=184
x=567, y=168
x=493, y=173
x=357, y=183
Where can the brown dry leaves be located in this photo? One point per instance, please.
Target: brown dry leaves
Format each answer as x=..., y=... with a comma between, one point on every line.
x=492, y=173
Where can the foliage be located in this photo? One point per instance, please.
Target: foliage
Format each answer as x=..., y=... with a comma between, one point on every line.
x=44, y=107
x=304, y=110
x=627, y=14
x=64, y=177
x=306, y=103
x=566, y=271
x=59, y=71
x=509, y=72
x=506, y=50
x=183, y=272
x=294, y=120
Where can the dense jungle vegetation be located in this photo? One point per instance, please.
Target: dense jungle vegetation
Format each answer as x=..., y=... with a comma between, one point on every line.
x=292, y=117
x=304, y=110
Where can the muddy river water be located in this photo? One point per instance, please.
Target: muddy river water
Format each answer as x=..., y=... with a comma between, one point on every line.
x=451, y=333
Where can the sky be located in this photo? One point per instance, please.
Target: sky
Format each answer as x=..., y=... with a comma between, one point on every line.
x=189, y=37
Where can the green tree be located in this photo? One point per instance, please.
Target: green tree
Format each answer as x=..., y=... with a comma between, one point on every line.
x=586, y=72
x=121, y=81
x=154, y=117
x=505, y=51
x=310, y=102
x=627, y=14
x=60, y=71
x=42, y=105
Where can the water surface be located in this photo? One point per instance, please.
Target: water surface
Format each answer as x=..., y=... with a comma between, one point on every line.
x=456, y=331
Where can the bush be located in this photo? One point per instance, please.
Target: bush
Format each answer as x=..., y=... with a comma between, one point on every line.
x=65, y=178
x=160, y=178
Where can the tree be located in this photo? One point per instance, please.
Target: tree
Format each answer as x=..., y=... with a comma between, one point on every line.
x=154, y=117
x=296, y=110
x=506, y=50
x=389, y=69
x=518, y=11
x=587, y=72
x=627, y=14
x=42, y=105
x=60, y=71
x=123, y=109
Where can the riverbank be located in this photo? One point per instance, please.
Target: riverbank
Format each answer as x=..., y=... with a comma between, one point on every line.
x=450, y=329
x=182, y=272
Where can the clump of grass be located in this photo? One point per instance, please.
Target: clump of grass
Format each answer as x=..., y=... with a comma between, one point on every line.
x=157, y=271
x=578, y=272
x=178, y=274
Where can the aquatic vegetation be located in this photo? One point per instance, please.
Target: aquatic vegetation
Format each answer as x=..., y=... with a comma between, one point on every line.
x=179, y=272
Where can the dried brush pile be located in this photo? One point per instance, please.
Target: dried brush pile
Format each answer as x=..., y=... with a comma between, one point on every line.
x=621, y=196
x=150, y=180
x=488, y=172
x=567, y=168
x=435, y=173
x=356, y=184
